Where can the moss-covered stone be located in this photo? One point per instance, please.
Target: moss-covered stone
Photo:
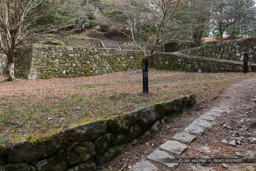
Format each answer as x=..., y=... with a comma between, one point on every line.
x=175, y=106
x=111, y=154
x=120, y=140
x=192, y=100
x=185, y=101
x=121, y=124
x=87, y=132
x=103, y=143
x=28, y=151
x=89, y=165
x=78, y=153
x=160, y=110
x=134, y=132
x=19, y=167
x=146, y=117
x=55, y=163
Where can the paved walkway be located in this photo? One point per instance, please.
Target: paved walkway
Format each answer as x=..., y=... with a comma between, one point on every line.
x=182, y=142
x=179, y=142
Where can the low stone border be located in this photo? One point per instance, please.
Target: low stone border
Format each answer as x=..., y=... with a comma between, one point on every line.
x=88, y=146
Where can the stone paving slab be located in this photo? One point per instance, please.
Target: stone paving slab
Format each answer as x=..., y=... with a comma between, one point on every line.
x=207, y=117
x=218, y=110
x=202, y=123
x=212, y=113
x=174, y=147
x=193, y=129
x=184, y=137
x=159, y=156
x=144, y=166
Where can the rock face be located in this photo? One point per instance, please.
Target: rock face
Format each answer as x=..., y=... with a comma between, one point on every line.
x=85, y=146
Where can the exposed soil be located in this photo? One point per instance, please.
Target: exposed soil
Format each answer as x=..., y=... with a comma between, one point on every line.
x=240, y=116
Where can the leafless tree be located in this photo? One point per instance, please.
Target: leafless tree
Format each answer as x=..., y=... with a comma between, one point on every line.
x=155, y=17
x=225, y=13
x=14, y=27
x=200, y=12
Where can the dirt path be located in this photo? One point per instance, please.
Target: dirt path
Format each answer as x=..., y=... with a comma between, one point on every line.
x=237, y=122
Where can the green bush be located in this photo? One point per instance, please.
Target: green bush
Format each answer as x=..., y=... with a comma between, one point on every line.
x=51, y=41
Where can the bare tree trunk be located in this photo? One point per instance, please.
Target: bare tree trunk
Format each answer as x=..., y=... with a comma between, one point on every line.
x=198, y=33
x=221, y=30
x=10, y=72
x=10, y=68
x=197, y=38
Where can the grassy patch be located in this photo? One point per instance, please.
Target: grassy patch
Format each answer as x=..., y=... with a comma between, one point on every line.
x=38, y=111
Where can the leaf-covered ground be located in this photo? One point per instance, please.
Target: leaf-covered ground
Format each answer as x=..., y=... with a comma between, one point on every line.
x=40, y=106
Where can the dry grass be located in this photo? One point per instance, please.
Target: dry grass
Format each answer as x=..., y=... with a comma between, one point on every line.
x=32, y=107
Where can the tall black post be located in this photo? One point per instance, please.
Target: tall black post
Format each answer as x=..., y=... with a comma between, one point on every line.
x=245, y=64
x=145, y=75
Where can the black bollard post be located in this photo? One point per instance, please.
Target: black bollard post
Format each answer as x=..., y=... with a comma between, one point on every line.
x=245, y=63
x=145, y=75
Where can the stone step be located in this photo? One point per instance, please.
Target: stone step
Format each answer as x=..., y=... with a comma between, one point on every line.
x=184, y=137
x=202, y=123
x=144, y=166
x=160, y=157
x=193, y=129
x=174, y=147
x=207, y=117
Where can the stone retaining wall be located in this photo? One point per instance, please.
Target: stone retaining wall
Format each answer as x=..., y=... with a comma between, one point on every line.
x=230, y=50
x=45, y=61
x=182, y=62
x=87, y=146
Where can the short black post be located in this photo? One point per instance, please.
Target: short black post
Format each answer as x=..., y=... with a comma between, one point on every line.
x=245, y=64
x=145, y=75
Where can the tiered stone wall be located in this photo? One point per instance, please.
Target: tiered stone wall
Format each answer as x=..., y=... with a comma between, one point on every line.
x=90, y=144
x=231, y=50
x=40, y=62
x=189, y=63
x=45, y=61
